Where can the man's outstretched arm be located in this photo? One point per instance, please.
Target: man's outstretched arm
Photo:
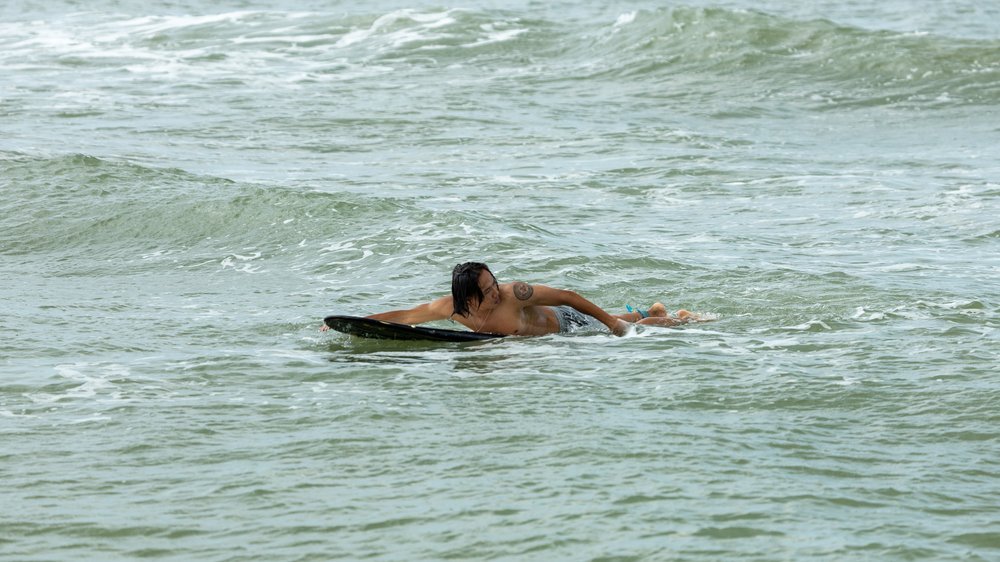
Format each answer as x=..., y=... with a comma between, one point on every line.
x=440, y=309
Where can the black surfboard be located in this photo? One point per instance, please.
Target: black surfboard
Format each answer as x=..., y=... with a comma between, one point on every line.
x=379, y=329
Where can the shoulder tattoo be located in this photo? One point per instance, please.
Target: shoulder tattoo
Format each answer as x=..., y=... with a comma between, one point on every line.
x=522, y=290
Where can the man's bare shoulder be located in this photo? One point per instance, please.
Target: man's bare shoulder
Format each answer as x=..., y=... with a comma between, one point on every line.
x=522, y=290
x=527, y=294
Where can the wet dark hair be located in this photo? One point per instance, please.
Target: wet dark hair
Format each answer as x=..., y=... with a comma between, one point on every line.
x=465, y=285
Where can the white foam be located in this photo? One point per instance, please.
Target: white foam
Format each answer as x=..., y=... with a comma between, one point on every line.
x=155, y=25
x=135, y=45
x=93, y=418
x=9, y=414
x=779, y=343
x=952, y=305
x=861, y=314
x=809, y=325
x=289, y=39
x=90, y=384
x=625, y=19
x=231, y=262
x=901, y=267
x=403, y=36
x=497, y=37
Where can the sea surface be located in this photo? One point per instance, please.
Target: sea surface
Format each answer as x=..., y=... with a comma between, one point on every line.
x=188, y=187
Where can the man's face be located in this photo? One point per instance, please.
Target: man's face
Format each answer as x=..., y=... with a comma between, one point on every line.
x=491, y=290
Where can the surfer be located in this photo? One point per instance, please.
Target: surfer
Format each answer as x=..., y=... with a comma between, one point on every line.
x=480, y=303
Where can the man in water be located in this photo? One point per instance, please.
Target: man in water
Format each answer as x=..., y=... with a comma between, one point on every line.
x=482, y=304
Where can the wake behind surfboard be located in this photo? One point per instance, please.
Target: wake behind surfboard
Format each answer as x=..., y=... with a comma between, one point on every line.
x=379, y=329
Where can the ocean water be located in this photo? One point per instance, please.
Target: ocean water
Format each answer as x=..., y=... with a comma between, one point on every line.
x=188, y=187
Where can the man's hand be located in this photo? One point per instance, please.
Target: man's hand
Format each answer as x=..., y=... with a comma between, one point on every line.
x=621, y=328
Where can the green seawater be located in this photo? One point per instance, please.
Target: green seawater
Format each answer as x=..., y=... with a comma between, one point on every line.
x=187, y=188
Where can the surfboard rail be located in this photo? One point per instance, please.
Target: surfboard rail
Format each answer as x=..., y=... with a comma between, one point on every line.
x=380, y=329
